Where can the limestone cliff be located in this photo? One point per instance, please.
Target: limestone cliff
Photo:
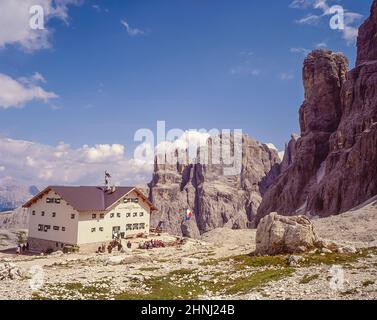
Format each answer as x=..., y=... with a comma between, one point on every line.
x=335, y=163
x=216, y=199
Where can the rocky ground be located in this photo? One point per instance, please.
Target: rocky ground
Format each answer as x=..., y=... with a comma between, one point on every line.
x=217, y=266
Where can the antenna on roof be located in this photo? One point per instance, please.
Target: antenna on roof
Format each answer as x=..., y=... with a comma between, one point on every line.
x=107, y=183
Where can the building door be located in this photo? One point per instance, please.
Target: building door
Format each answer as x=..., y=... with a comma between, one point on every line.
x=116, y=232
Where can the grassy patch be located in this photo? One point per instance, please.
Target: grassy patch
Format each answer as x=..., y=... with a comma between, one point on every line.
x=163, y=288
x=309, y=278
x=170, y=288
x=242, y=285
x=242, y=261
x=62, y=291
x=256, y=262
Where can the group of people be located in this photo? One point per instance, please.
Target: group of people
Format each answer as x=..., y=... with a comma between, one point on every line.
x=115, y=244
x=151, y=244
x=22, y=248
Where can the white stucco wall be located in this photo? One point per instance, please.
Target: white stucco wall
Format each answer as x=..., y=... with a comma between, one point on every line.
x=62, y=219
x=86, y=222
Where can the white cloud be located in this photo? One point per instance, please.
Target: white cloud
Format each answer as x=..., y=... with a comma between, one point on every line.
x=286, y=76
x=245, y=70
x=321, y=45
x=350, y=34
x=301, y=4
x=300, y=50
x=37, y=77
x=15, y=17
x=351, y=19
x=189, y=139
x=39, y=164
x=15, y=93
x=247, y=53
x=309, y=19
x=2, y=168
x=133, y=32
x=96, y=7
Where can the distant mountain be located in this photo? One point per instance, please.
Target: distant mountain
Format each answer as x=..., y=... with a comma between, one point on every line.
x=13, y=194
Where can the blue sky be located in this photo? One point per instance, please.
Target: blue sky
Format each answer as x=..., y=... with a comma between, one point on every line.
x=193, y=63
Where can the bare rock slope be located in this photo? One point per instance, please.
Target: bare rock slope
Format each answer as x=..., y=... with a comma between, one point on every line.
x=335, y=163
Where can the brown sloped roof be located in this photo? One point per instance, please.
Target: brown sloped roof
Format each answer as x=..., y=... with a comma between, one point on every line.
x=89, y=198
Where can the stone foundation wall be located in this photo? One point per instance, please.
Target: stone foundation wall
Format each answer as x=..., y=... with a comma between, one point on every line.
x=41, y=245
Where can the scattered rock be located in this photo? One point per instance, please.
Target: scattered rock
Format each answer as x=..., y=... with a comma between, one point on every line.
x=294, y=261
x=277, y=234
x=117, y=260
x=137, y=258
x=10, y=271
x=57, y=254
x=348, y=250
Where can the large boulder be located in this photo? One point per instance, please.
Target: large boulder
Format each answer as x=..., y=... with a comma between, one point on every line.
x=278, y=235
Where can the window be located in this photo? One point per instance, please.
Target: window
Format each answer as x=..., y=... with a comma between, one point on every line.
x=63, y=228
x=94, y=216
x=135, y=200
x=135, y=226
x=102, y=216
x=33, y=213
x=42, y=213
x=72, y=216
x=141, y=214
x=93, y=229
x=54, y=214
x=40, y=227
x=128, y=227
x=135, y=214
x=128, y=214
x=142, y=226
x=53, y=200
x=57, y=244
x=45, y=228
x=56, y=228
x=126, y=200
x=112, y=215
x=101, y=229
x=118, y=215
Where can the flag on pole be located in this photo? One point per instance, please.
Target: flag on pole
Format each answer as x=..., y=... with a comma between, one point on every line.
x=189, y=215
x=107, y=174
